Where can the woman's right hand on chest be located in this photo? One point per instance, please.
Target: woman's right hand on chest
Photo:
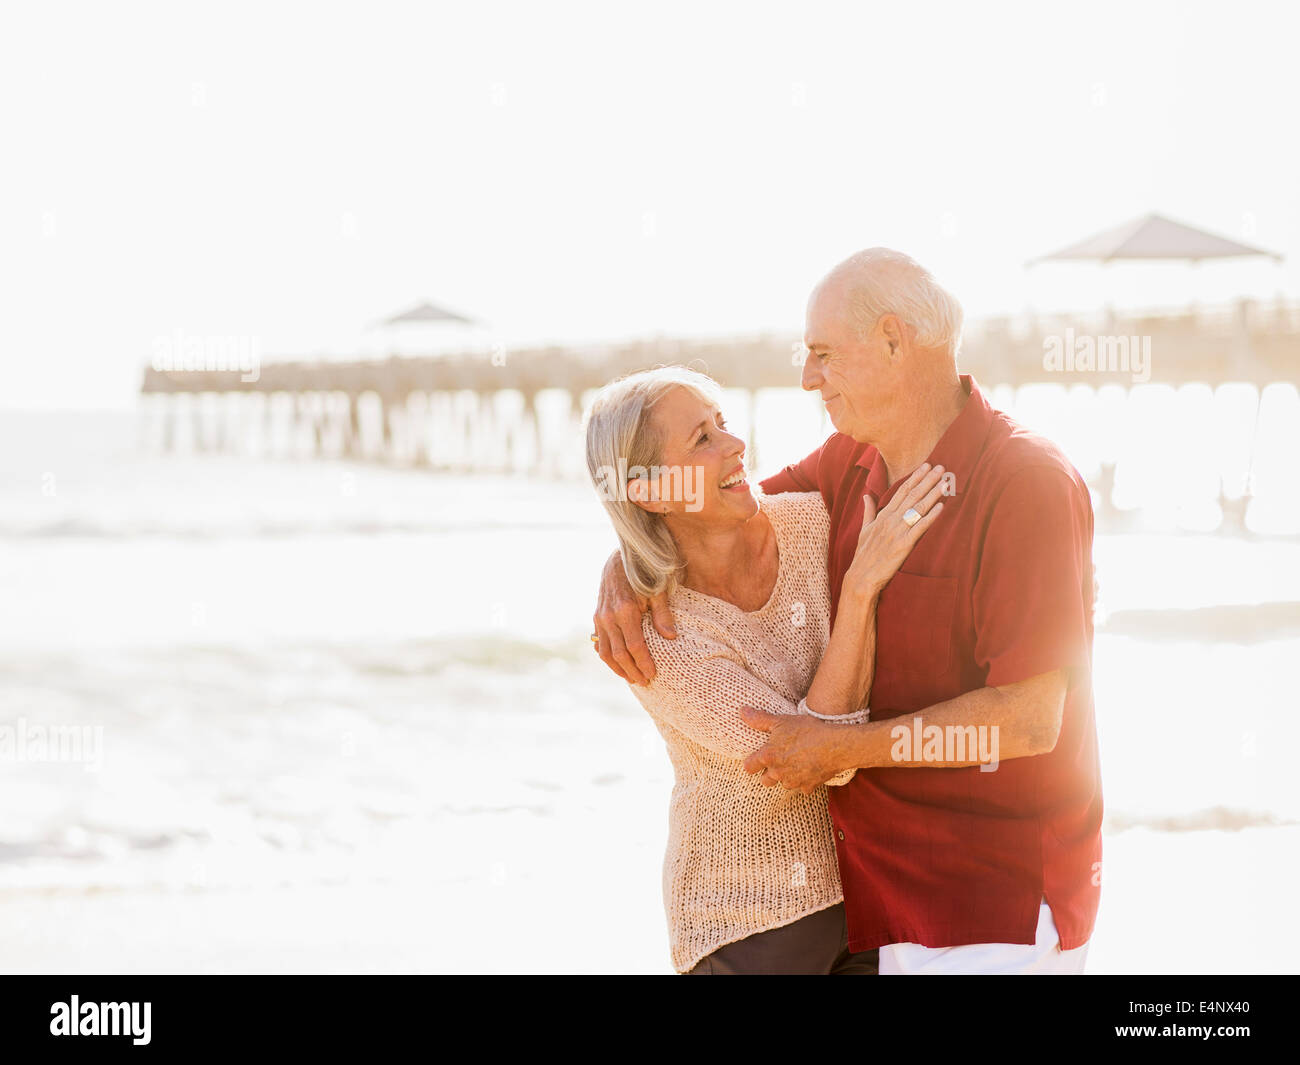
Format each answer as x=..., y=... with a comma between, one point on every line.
x=886, y=539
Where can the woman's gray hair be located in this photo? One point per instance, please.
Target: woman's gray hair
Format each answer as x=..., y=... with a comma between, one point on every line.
x=621, y=437
x=883, y=281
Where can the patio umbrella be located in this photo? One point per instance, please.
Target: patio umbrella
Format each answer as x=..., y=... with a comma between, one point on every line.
x=1154, y=237
x=427, y=312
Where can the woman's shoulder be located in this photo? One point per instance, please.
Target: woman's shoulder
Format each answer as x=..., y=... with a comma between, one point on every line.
x=702, y=628
x=796, y=515
x=701, y=639
x=787, y=506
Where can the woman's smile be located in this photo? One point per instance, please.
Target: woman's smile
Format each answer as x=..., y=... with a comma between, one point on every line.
x=735, y=481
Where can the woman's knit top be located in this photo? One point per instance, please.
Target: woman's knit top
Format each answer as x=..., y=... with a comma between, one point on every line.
x=743, y=858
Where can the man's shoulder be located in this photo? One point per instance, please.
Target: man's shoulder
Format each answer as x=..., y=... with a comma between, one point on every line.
x=1015, y=452
x=823, y=470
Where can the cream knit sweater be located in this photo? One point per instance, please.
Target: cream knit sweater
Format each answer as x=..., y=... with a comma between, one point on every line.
x=743, y=858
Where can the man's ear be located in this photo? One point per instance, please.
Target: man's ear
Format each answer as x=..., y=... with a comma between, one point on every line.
x=892, y=328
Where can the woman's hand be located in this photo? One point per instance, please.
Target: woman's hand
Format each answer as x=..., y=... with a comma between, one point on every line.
x=886, y=539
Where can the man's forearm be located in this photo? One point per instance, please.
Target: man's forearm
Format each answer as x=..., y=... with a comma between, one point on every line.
x=1026, y=715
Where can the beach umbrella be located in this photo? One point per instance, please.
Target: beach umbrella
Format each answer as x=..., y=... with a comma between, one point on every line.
x=1154, y=237
x=428, y=312
x=425, y=329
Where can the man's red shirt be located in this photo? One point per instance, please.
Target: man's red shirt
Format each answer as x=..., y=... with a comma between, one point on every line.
x=998, y=590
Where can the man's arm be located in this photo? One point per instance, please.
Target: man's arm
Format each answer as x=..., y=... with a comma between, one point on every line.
x=1032, y=605
x=799, y=477
x=804, y=752
x=617, y=622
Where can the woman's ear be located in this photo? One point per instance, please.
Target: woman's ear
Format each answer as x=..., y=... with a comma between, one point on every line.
x=638, y=491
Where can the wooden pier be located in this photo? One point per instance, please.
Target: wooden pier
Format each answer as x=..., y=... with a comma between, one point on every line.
x=479, y=411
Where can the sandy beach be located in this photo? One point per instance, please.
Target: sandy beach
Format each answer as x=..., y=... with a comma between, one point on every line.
x=308, y=461
x=1173, y=903
x=306, y=776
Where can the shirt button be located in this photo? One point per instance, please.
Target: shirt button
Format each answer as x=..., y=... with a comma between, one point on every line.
x=840, y=833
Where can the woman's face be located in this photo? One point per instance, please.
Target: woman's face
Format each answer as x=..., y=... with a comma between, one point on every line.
x=701, y=472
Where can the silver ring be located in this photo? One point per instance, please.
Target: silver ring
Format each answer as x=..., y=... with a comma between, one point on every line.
x=910, y=517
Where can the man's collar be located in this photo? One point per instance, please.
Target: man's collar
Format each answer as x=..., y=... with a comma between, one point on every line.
x=957, y=450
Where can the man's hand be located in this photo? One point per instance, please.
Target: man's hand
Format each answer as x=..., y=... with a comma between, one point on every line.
x=801, y=752
x=617, y=623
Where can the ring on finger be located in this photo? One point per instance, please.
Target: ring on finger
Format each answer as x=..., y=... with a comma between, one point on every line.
x=911, y=516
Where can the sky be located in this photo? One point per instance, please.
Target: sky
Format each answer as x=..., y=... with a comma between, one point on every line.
x=293, y=173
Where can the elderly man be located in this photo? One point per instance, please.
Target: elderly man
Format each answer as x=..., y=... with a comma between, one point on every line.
x=970, y=838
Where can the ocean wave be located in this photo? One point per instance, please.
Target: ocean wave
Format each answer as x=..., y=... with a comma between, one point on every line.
x=1239, y=623
x=92, y=529
x=1210, y=819
x=496, y=653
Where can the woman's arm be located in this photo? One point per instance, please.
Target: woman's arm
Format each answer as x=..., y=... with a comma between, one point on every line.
x=701, y=682
x=699, y=690
x=842, y=684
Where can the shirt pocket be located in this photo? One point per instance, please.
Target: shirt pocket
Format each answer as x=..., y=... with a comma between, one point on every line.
x=914, y=625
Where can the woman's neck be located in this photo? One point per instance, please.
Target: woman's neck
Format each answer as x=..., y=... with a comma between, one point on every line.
x=737, y=563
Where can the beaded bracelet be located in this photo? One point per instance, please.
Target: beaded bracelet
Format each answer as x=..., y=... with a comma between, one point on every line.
x=855, y=718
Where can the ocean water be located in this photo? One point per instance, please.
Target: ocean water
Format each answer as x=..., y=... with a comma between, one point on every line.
x=305, y=673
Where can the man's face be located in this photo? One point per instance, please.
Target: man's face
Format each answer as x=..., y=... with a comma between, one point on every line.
x=858, y=380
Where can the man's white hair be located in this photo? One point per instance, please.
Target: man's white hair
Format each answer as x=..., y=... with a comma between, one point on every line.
x=883, y=281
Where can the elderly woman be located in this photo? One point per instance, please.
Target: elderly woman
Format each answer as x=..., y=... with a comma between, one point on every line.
x=750, y=877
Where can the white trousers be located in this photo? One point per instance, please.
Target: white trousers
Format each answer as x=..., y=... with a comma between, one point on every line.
x=1044, y=957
